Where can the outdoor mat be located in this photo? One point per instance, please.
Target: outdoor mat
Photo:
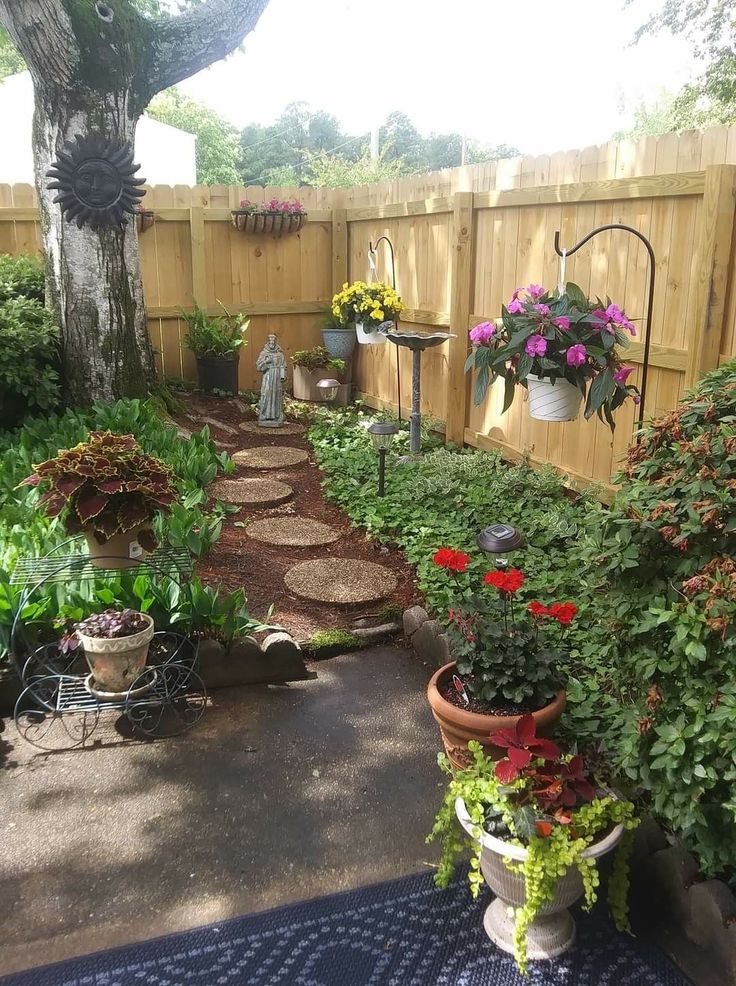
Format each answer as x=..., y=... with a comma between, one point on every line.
x=402, y=933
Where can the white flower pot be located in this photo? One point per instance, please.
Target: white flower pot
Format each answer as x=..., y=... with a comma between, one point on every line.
x=552, y=932
x=559, y=401
x=369, y=338
x=116, y=662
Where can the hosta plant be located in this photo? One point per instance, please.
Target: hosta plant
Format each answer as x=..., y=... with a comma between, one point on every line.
x=545, y=800
x=503, y=649
x=556, y=335
x=106, y=485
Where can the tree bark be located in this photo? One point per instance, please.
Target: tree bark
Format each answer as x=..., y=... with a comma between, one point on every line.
x=95, y=67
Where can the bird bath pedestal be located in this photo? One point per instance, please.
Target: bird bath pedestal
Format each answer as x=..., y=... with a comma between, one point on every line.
x=417, y=342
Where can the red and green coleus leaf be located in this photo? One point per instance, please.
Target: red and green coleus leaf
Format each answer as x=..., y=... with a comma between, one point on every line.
x=69, y=484
x=107, y=525
x=89, y=504
x=132, y=514
x=52, y=503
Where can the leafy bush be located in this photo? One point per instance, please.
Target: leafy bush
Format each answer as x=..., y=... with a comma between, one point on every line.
x=21, y=277
x=28, y=354
x=317, y=358
x=208, y=336
x=663, y=661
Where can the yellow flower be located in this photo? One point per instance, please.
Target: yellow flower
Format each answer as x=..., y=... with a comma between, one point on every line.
x=377, y=313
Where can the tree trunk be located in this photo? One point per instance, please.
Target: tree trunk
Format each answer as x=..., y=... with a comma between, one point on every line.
x=93, y=276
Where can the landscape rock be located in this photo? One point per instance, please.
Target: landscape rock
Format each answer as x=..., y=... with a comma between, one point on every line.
x=245, y=662
x=213, y=422
x=712, y=904
x=431, y=643
x=414, y=617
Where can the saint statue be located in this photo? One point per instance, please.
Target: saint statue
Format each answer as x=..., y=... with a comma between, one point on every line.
x=272, y=364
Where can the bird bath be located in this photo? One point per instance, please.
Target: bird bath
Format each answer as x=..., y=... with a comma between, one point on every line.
x=417, y=342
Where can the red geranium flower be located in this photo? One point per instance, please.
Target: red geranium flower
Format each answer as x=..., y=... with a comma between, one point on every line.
x=537, y=609
x=564, y=613
x=451, y=559
x=505, y=581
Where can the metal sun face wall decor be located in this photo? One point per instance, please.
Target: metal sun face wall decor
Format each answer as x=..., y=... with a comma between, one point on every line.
x=96, y=182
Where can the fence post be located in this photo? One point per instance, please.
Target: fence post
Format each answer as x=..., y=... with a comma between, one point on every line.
x=199, y=270
x=715, y=230
x=461, y=288
x=339, y=248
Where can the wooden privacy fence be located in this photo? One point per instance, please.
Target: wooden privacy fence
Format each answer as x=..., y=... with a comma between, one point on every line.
x=459, y=256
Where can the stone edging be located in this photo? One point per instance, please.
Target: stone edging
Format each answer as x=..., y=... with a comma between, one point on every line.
x=690, y=917
x=246, y=662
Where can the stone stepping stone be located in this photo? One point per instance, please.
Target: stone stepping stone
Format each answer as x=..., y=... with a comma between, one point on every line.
x=270, y=457
x=251, y=492
x=343, y=581
x=295, y=532
x=289, y=428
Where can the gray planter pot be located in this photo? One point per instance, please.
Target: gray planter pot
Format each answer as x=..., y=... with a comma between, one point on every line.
x=339, y=343
x=553, y=930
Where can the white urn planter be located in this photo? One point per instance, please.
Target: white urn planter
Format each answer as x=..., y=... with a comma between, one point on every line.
x=116, y=662
x=370, y=337
x=559, y=401
x=553, y=930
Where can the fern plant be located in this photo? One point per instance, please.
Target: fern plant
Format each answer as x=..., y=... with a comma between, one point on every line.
x=221, y=336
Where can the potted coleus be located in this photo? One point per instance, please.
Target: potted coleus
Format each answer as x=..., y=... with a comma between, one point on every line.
x=275, y=216
x=311, y=366
x=371, y=308
x=562, y=347
x=509, y=659
x=536, y=822
x=115, y=644
x=216, y=343
x=108, y=489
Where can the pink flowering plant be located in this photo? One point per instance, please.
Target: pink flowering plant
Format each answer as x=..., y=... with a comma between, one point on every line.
x=274, y=207
x=556, y=335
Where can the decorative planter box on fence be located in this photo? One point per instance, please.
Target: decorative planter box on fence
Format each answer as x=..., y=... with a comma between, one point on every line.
x=278, y=224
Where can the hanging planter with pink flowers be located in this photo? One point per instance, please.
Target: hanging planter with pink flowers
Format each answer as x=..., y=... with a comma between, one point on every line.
x=275, y=217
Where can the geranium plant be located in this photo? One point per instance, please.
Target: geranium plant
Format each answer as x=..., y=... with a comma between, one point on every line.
x=274, y=207
x=505, y=650
x=106, y=485
x=374, y=304
x=556, y=335
x=546, y=801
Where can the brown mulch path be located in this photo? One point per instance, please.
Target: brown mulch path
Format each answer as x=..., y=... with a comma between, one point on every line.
x=237, y=561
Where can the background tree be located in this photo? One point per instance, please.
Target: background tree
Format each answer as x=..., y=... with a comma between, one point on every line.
x=95, y=67
x=218, y=142
x=334, y=171
x=10, y=61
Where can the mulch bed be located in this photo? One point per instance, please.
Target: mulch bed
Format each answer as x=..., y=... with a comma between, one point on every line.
x=237, y=561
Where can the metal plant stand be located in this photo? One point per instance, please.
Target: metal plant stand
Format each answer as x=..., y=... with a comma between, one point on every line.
x=55, y=711
x=417, y=342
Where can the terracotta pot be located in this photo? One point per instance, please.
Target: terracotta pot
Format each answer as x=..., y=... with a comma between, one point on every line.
x=116, y=662
x=120, y=551
x=458, y=727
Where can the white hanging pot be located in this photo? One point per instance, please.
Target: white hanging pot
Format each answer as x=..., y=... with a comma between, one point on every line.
x=370, y=338
x=559, y=401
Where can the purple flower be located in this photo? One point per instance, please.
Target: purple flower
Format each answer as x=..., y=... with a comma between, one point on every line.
x=621, y=375
x=603, y=317
x=481, y=334
x=536, y=345
x=535, y=291
x=514, y=307
x=576, y=355
x=562, y=322
x=543, y=310
x=636, y=399
x=620, y=318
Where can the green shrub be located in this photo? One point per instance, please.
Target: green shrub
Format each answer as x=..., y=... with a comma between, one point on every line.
x=29, y=379
x=21, y=277
x=223, y=335
x=664, y=657
x=317, y=358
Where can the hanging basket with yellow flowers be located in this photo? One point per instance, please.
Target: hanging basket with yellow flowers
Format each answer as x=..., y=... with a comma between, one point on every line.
x=371, y=308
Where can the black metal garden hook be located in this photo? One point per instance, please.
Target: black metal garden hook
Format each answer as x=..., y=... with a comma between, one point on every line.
x=372, y=250
x=650, y=298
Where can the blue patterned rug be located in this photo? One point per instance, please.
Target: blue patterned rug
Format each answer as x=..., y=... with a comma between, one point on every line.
x=402, y=933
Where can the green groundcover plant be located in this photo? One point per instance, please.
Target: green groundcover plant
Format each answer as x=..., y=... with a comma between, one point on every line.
x=544, y=800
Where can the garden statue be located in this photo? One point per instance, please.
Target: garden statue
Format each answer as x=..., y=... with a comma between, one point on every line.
x=272, y=364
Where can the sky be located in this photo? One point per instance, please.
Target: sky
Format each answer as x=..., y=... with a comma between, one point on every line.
x=541, y=75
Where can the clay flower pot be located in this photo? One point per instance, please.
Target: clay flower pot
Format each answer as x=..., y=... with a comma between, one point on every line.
x=552, y=931
x=458, y=727
x=119, y=551
x=116, y=662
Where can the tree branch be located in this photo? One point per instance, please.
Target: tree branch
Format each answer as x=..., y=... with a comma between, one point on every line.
x=190, y=42
x=43, y=34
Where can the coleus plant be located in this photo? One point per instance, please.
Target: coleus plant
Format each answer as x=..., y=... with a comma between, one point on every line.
x=545, y=800
x=556, y=335
x=113, y=623
x=106, y=486
x=504, y=650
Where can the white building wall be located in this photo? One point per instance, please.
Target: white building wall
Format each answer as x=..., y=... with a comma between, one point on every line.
x=166, y=154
